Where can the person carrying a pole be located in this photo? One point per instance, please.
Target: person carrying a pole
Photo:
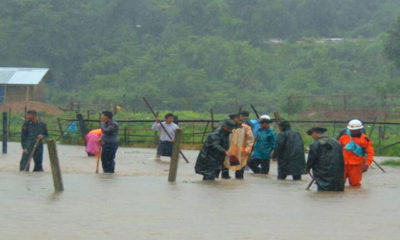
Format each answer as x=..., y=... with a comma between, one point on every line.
x=109, y=141
x=166, y=141
x=358, y=152
x=326, y=161
x=33, y=132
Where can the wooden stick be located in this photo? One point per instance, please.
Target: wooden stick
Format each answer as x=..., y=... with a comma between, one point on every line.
x=255, y=111
x=311, y=183
x=31, y=154
x=163, y=127
x=379, y=166
x=98, y=159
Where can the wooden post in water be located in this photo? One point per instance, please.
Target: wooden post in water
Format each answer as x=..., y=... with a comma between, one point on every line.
x=55, y=166
x=4, y=132
x=173, y=167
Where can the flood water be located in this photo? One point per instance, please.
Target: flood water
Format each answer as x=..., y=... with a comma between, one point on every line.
x=139, y=203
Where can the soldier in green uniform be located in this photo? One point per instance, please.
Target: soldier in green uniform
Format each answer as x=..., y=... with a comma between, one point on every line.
x=212, y=155
x=32, y=130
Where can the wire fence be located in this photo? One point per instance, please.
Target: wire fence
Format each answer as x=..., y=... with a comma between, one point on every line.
x=385, y=135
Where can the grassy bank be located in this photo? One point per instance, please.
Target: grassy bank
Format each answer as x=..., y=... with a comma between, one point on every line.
x=391, y=163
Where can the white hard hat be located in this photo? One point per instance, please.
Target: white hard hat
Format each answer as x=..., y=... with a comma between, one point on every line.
x=355, y=124
x=265, y=116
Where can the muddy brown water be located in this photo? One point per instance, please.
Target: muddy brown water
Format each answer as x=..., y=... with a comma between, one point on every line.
x=139, y=203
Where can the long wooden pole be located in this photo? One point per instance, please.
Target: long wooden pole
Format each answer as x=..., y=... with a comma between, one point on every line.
x=163, y=127
x=98, y=159
x=32, y=153
x=255, y=111
x=311, y=183
x=379, y=166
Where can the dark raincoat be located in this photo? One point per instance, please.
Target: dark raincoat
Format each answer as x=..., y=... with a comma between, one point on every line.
x=212, y=154
x=326, y=161
x=290, y=152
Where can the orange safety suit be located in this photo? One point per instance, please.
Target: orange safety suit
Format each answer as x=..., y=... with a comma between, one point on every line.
x=353, y=163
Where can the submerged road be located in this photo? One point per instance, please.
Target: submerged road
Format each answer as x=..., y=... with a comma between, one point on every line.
x=139, y=203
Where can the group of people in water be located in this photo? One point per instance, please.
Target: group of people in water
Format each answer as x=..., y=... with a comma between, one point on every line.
x=240, y=143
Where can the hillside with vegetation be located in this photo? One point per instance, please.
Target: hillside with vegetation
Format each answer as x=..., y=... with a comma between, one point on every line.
x=201, y=54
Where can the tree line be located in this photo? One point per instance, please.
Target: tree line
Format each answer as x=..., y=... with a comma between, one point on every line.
x=201, y=54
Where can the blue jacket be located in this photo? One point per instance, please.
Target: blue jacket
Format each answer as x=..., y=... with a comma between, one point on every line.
x=265, y=143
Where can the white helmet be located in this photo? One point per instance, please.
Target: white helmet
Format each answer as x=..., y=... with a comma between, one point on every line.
x=355, y=124
x=265, y=116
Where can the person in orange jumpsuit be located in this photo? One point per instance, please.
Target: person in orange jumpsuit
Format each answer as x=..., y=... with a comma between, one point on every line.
x=358, y=152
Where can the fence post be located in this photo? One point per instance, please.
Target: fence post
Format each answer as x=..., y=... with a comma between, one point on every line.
x=125, y=134
x=9, y=122
x=334, y=128
x=212, y=120
x=205, y=131
x=60, y=127
x=82, y=127
x=55, y=166
x=193, y=134
x=173, y=167
x=4, y=132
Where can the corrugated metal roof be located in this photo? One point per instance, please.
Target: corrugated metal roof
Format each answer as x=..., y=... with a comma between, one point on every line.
x=22, y=76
